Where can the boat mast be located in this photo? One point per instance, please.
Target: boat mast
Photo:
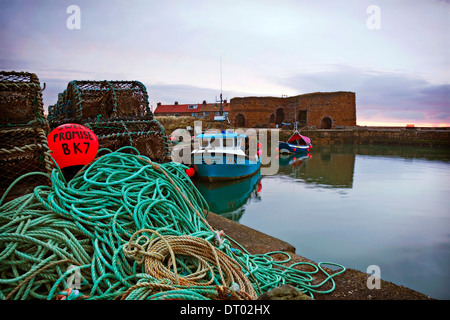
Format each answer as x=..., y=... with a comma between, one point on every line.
x=221, y=107
x=296, y=122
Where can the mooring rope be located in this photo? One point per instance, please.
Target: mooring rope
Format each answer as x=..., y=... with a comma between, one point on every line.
x=128, y=228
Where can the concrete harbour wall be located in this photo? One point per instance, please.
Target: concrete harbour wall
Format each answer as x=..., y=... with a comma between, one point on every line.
x=423, y=137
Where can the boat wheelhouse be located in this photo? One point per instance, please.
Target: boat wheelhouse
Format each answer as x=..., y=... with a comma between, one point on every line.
x=224, y=156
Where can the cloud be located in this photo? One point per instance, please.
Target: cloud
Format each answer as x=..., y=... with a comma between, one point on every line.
x=169, y=93
x=157, y=92
x=388, y=96
x=381, y=94
x=267, y=48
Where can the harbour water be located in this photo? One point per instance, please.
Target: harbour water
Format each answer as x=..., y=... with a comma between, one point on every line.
x=359, y=206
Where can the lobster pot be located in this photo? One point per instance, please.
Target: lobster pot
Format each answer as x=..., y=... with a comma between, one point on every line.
x=102, y=100
x=132, y=99
x=20, y=98
x=23, y=134
x=59, y=110
x=149, y=145
x=23, y=152
x=117, y=112
x=147, y=136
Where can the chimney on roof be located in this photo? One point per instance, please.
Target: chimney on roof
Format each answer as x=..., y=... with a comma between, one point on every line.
x=158, y=104
x=204, y=102
x=176, y=103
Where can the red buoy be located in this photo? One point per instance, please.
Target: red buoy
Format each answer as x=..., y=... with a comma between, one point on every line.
x=190, y=172
x=72, y=145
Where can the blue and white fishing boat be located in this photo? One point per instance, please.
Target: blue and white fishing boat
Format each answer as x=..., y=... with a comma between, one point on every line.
x=223, y=156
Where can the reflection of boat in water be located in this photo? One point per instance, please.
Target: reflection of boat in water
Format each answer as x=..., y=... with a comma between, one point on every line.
x=327, y=169
x=292, y=160
x=293, y=165
x=227, y=198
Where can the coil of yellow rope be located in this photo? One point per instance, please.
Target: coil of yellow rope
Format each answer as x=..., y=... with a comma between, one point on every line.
x=198, y=260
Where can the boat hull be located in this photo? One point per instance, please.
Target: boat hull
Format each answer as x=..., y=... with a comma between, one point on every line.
x=225, y=168
x=285, y=147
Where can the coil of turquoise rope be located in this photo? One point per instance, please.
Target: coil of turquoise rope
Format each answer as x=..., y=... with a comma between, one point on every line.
x=80, y=228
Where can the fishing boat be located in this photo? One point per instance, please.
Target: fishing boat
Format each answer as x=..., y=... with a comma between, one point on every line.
x=297, y=143
x=224, y=156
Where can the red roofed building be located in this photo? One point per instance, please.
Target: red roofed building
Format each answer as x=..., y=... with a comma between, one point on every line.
x=200, y=110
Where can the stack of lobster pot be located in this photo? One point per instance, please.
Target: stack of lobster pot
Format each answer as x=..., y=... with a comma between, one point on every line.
x=117, y=112
x=24, y=153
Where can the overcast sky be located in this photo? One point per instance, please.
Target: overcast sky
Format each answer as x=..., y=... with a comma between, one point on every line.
x=394, y=54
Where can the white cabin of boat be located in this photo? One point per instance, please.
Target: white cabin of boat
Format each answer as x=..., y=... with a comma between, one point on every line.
x=226, y=143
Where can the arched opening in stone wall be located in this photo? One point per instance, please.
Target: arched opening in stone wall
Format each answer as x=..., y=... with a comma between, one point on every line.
x=239, y=120
x=302, y=117
x=326, y=123
x=279, y=116
x=272, y=118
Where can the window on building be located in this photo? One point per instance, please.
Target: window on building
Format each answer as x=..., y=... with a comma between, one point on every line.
x=206, y=113
x=192, y=106
x=302, y=117
x=194, y=114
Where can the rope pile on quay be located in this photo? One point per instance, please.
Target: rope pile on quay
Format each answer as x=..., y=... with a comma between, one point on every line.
x=125, y=227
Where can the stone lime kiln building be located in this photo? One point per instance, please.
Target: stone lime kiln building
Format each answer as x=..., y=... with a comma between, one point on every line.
x=323, y=110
